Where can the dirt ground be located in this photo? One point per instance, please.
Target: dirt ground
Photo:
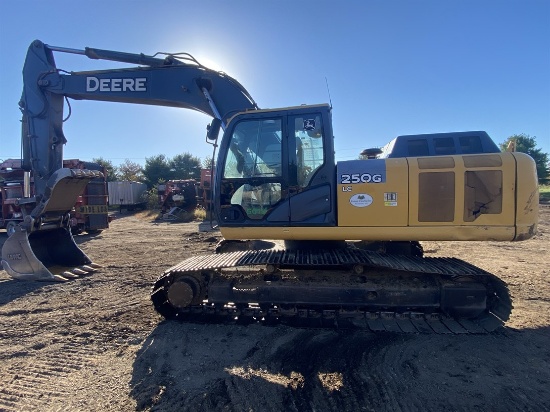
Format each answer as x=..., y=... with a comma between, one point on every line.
x=96, y=343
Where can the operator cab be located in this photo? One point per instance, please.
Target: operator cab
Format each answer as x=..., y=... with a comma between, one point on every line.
x=271, y=163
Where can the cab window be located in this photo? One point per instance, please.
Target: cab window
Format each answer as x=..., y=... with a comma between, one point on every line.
x=253, y=166
x=255, y=150
x=310, y=156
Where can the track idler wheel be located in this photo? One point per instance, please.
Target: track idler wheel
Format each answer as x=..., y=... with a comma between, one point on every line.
x=184, y=292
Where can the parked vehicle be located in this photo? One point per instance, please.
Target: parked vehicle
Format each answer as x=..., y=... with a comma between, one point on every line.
x=178, y=193
x=127, y=195
x=205, y=189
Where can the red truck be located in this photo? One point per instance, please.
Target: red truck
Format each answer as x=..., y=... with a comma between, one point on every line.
x=186, y=194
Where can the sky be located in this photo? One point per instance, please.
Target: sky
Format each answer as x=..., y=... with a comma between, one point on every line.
x=387, y=67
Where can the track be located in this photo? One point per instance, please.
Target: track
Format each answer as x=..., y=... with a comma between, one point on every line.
x=348, y=288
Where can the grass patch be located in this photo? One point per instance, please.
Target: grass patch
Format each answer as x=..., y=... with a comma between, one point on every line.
x=200, y=214
x=146, y=214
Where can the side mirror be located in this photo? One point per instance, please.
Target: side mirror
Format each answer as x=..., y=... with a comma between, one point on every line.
x=213, y=129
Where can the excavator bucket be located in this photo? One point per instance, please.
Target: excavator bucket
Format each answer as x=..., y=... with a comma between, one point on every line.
x=47, y=251
x=49, y=255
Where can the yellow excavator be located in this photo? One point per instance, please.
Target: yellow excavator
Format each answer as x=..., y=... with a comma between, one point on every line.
x=349, y=232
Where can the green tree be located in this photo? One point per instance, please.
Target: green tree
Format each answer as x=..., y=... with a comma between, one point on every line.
x=111, y=171
x=527, y=144
x=207, y=163
x=185, y=166
x=157, y=169
x=130, y=171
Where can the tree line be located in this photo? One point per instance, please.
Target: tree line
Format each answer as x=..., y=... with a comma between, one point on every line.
x=157, y=169
x=528, y=144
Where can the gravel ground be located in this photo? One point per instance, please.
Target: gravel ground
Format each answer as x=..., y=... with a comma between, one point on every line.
x=96, y=343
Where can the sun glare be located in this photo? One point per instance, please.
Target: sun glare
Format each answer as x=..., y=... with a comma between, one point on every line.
x=212, y=64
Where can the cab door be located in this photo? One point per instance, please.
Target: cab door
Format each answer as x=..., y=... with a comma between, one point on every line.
x=253, y=176
x=312, y=170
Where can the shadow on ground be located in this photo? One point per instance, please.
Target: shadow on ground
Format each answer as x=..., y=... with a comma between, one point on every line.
x=235, y=368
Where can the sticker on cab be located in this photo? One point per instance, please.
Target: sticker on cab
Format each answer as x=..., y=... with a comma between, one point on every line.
x=390, y=199
x=361, y=200
x=309, y=124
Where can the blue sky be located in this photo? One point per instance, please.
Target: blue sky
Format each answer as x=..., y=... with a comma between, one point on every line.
x=393, y=67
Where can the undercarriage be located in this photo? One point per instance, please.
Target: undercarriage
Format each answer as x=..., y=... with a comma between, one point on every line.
x=334, y=288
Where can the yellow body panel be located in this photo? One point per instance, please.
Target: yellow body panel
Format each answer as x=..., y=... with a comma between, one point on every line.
x=503, y=192
x=389, y=199
x=469, y=197
x=527, y=195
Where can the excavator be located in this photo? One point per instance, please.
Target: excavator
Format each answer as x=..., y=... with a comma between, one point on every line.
x=308, y=241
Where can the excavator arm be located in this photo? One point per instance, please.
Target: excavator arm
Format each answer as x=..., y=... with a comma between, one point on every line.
x=43, y=242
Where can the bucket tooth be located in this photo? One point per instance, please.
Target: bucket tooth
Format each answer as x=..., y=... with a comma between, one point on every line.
x=79, y=272
x=69, y=275
x=87, y=268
